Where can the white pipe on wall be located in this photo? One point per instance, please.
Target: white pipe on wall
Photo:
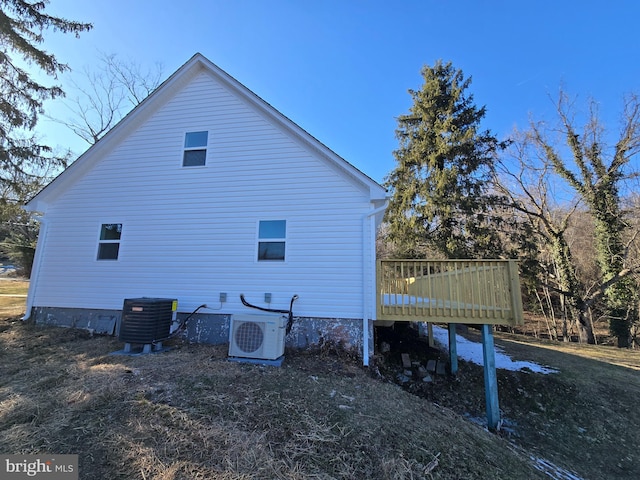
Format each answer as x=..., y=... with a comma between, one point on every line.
x=367, y=242
x=35, y=269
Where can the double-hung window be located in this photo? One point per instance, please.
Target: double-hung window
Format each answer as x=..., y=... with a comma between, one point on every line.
x=271, y=240
x=109, y=243
x=195, y=149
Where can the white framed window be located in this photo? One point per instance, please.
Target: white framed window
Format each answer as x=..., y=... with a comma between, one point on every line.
x=272, y=236
x=195, y=149
x=109, y=241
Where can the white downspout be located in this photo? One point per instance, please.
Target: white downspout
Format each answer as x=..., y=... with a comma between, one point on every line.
x=37, y=261
x=367, y=241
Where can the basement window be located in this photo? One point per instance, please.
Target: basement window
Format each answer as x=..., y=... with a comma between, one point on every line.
x=109, y=244
x=195, y=149
x=271, y=240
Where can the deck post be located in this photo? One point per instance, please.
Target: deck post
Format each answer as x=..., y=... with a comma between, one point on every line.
x=453, y=349
x=432, y=342
x=490, y=378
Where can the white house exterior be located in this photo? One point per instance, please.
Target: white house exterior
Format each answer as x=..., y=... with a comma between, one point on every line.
x=205, y=189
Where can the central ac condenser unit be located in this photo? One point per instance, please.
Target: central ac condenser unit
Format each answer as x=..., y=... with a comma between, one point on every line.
x=146, y=321
x=257, y=336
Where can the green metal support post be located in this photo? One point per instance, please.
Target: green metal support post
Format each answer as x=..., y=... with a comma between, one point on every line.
x=490, y=378
x=453, y=349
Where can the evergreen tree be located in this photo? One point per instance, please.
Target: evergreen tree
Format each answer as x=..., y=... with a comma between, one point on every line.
x=441, y=200
x=21, y=97
x=18, y=228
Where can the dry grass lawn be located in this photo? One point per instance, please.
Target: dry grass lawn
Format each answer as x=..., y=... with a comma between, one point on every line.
x=189, y=413
x=12, y=305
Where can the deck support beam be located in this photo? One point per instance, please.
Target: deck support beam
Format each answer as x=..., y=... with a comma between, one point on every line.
x=453, y=349
x=490, y=378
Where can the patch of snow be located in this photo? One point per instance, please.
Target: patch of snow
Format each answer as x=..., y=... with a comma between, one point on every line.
x=402, y=299
x=472, y=352
x=553, y=471
x=6, y=269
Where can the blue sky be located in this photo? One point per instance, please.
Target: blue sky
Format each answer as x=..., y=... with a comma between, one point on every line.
x=341, y=69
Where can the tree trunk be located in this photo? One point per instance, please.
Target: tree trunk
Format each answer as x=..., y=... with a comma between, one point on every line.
x=620, y=327
x=585, y=329
x=565, y=320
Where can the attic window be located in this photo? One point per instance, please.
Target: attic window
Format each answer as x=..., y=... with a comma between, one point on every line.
x=195, y=149
x=109, y=244
x=271, y=240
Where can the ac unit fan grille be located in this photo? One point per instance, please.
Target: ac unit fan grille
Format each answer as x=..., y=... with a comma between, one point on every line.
x=249, y=337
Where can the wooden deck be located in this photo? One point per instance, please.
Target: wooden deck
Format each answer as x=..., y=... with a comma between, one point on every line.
x=482, y=292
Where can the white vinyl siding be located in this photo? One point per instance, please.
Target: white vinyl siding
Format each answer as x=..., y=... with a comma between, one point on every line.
x=191, y=233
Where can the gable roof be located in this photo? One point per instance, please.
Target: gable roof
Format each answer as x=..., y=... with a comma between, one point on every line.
x=159, y=97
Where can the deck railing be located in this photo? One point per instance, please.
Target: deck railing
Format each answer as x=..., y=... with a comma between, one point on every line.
x=451, y=291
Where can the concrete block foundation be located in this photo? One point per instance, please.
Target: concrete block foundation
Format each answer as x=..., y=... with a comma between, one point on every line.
x=207, y=328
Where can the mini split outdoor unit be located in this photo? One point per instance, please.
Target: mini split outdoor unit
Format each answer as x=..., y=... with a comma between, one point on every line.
x=146, y=321
x=257, y=336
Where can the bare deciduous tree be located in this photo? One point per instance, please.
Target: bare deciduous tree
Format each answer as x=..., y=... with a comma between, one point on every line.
x=528, y=183
x=577, y=179
x=105, y=95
